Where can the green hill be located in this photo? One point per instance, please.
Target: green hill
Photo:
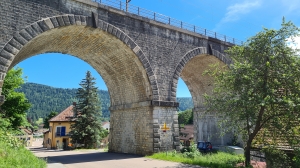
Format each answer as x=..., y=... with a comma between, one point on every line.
x=45, y=99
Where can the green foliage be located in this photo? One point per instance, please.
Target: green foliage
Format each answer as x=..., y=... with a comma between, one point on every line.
x=87, y=129
x=260, y=91
x=277, y=158
x=15, y=106
x=185, y=117
x=46, y=120
x=214, y=160
x=296, y=158
x=45, y=99
x=13, y=154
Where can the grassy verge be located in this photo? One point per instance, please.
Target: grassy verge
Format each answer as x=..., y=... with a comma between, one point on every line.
x=214, y=160
x=13, y=154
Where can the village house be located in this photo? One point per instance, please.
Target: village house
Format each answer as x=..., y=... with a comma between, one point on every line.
x=26, y=135
x=186, y=135
x=58, y=137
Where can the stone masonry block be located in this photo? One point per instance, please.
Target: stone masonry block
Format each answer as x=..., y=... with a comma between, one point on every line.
x=72, y=19
x=25, y=35
x=54, y=22
x=77, y=20
x=37, y=28
x=7, y=55
x=4, y=61
x=49, y=23
x=66, y=20
x=15, y=44
x=20, y=39
x=11, y=49
x=83, y=20
x=31, y=31
x=43, y=25
x=3, y=69
x=60, y=21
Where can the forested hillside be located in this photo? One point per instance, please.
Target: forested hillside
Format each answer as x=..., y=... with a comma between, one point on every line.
x=45, y=99
x=185, y=103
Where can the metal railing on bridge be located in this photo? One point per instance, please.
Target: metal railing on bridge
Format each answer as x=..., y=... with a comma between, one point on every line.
x=166, y=20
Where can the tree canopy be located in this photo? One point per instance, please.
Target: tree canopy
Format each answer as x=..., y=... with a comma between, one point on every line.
x=46, y=120
x=87, y=129
x=258, y=96
x=15, y=106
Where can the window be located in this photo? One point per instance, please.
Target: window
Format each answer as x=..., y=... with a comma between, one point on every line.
x=60, y=131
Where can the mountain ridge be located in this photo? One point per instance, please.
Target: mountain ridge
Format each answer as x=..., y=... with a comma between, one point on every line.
x=45, y=99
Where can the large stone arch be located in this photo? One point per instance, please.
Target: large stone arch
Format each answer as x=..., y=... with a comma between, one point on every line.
x=120, y=61
x=190, y=69
x=10, y=54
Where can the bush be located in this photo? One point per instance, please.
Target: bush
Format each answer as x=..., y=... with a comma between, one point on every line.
x=277, y=158
x=13, y=154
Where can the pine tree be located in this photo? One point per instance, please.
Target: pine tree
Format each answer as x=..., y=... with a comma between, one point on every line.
x=87, y=129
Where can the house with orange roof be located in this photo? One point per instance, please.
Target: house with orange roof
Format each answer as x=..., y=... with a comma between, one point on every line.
x=58, y=137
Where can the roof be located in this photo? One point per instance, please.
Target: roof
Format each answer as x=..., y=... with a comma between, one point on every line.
x=187, y=132
x=26, y=131
x=66, y=115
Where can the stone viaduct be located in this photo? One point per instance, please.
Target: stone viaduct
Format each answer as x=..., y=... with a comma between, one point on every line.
x=139, y=59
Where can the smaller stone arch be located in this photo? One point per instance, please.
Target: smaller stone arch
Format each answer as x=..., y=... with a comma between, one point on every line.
x=191, y=54
x=22, y=37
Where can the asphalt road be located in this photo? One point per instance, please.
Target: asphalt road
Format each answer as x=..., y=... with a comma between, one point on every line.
x=99, y=158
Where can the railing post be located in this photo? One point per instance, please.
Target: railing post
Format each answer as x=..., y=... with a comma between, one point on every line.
x=205, y=32
x=194, y=29
x=100, y=1
x=215, y=34
x=120, y=5
x=225, y=38
x=138, y=10
x=154, y=15
x=169, y=20
x=233, y=41
x=181, y=24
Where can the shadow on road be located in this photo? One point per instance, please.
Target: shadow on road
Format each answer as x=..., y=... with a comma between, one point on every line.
x=91, y=157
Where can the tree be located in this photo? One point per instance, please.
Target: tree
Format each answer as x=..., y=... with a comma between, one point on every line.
x=185, y=117
x=15, y=106
x=87, y=129
x=258, y=95
x=46, y=120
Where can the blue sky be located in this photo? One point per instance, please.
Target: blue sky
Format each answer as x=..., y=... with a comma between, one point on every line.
x=240, y=19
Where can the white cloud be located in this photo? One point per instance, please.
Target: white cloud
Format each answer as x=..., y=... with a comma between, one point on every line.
x=294, y=42
x=291, y=5
x=234, y=12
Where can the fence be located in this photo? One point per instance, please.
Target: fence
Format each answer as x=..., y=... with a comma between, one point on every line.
x=166, y=20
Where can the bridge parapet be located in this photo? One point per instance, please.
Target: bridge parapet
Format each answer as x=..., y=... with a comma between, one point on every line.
x=167, y=20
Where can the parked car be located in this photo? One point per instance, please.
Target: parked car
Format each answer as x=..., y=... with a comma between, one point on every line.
x=204, y=146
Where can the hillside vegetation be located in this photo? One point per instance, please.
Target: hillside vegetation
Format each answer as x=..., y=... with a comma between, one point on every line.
x=45, y=99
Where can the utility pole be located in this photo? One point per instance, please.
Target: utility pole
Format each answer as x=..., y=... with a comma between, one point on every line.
x=127, y=1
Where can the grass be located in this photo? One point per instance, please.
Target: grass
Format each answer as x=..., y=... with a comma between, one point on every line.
x=18, y=157
x=213, y=160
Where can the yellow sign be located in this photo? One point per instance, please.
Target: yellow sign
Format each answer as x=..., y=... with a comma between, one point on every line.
x=165, y=128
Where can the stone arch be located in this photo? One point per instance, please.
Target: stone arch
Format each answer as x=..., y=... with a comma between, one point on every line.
x=190, y=69
x=199, y=51
x=13, y=52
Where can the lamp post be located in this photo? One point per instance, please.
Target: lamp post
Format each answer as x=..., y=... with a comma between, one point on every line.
x=127, y=1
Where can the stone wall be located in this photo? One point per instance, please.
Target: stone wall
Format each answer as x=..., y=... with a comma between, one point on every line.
x=131, y=130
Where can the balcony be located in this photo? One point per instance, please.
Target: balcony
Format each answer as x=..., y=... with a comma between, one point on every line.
x=62, y=134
